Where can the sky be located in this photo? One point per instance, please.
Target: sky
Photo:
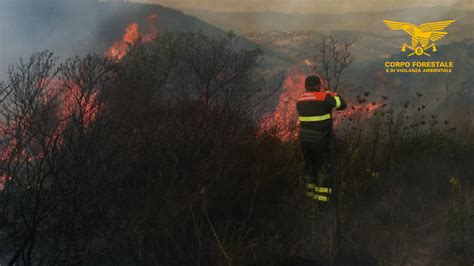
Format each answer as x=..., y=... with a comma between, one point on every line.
x=308, y=6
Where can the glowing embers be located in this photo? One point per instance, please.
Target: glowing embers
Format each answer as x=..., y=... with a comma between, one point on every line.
x=359, y=111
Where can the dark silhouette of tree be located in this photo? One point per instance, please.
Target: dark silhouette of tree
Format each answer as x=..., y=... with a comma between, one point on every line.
x=332, y=59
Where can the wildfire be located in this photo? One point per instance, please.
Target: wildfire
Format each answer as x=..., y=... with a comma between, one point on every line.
x=76, y=101
x=132, y=35
x=72, y=103
x=72, y=100
x=284, y=119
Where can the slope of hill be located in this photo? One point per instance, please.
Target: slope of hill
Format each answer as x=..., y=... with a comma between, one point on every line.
x=300, y=45
x=77, y=27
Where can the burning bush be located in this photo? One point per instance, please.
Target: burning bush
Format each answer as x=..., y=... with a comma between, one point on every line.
x=96, y=145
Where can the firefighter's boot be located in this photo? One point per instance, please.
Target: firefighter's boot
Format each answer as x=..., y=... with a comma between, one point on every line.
x=323, y=188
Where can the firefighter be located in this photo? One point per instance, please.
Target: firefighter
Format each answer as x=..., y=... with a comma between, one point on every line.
x=315, y=108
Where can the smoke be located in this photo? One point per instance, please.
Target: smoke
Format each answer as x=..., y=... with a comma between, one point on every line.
x=307, y=6
x=66, y=27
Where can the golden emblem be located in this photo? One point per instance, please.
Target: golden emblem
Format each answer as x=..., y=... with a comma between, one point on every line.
x=421, y=35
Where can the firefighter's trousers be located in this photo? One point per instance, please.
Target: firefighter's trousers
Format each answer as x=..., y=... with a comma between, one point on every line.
x=318, y=170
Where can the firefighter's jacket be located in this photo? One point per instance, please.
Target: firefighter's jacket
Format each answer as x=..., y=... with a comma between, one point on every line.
x=315, y=114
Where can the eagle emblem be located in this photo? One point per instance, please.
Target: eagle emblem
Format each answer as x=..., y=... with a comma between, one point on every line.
x=421, y=35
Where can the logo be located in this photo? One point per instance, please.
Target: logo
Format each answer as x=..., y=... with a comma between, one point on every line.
x=423, y=37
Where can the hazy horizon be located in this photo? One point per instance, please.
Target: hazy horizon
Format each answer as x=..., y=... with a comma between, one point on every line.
x=307, y=6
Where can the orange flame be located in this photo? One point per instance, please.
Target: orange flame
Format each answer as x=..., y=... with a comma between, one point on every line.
x=284, y=118
x=73, y=100
x=70, y=102
x=132, y=35
x=119, y=48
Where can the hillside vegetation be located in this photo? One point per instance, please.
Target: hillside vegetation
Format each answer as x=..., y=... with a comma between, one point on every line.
x=132, y=162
